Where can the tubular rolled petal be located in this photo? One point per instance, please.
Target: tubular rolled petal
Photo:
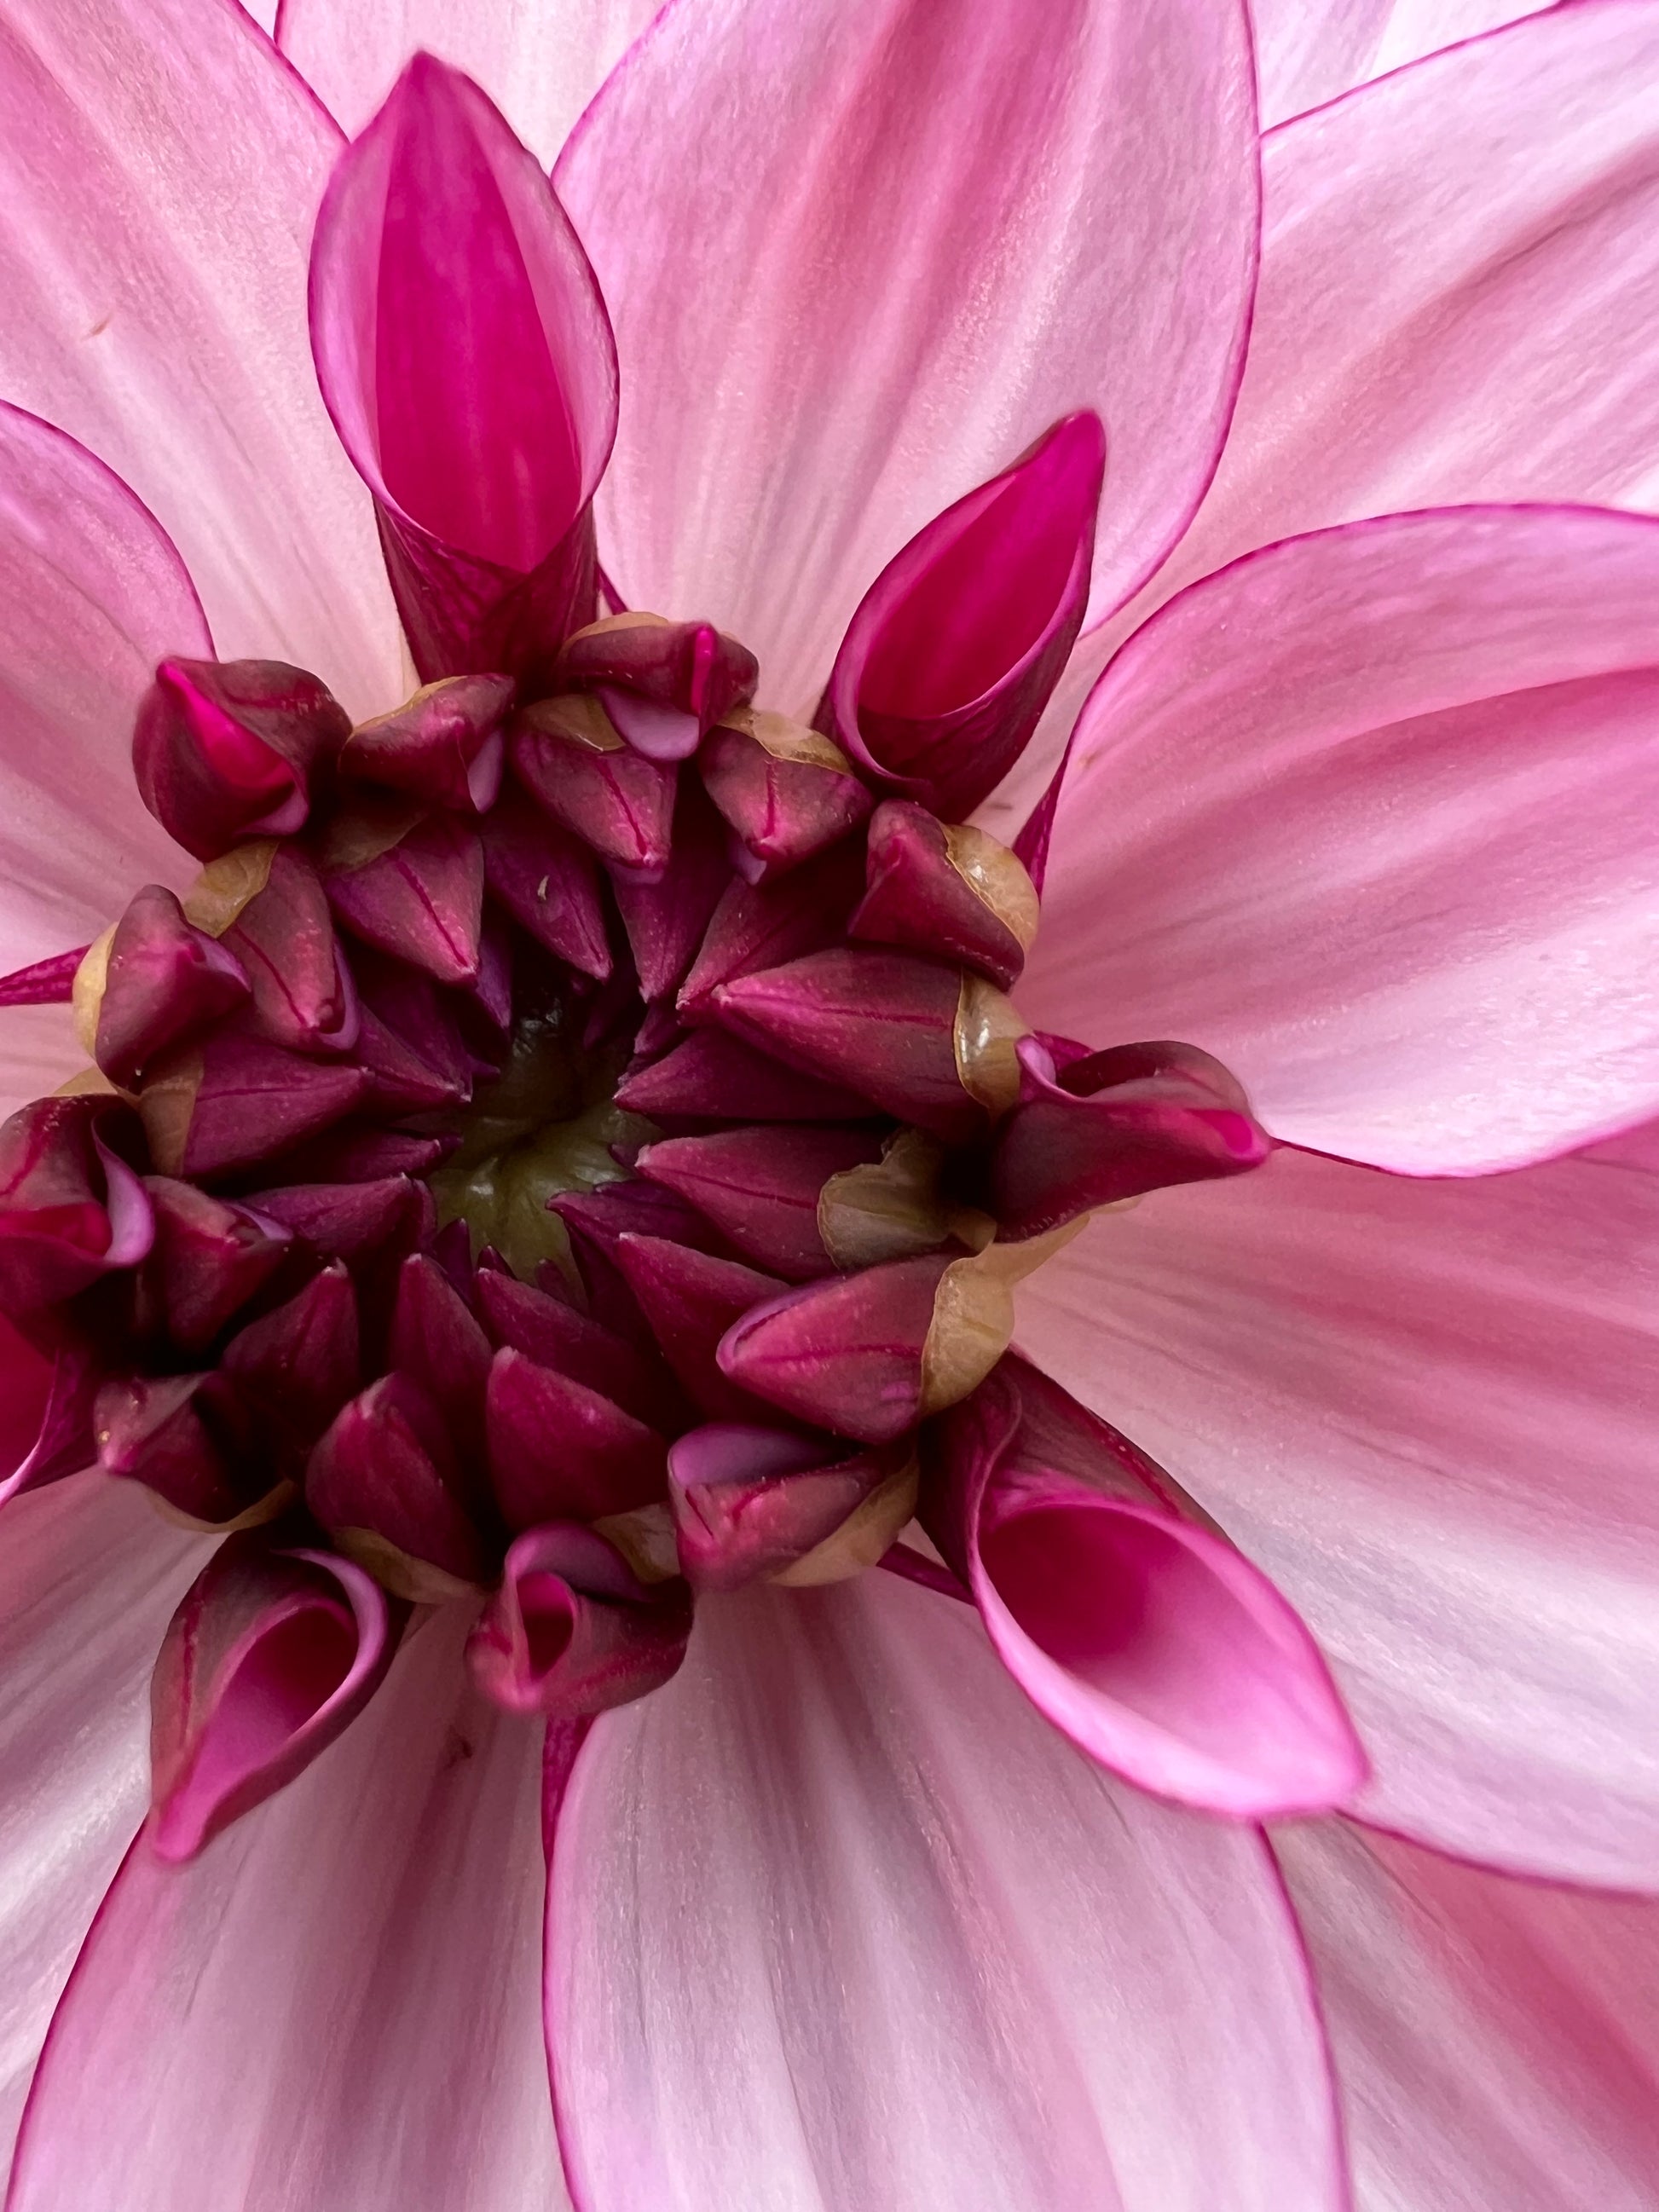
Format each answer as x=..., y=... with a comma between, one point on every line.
x=573, y=1630
x=387, y=1467
x=270, y=1655
x=950, y=660
x=1112, y=1125
x=1148, y=1640
x=755, y=1503
x=163, y=980
x=464, y=354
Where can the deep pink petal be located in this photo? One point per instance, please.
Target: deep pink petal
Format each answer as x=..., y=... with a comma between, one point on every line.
x=1367, y=816
x=1156, y=1647
x=464, y=354
x=858, y=259
x=1426, y=1410
x=335, y=2006
x=88, y=1575
x=540, y=65
x=1308, y=54
x=161, y=168
x=1497, y=2041
x=92, y=594
x=834, y=1920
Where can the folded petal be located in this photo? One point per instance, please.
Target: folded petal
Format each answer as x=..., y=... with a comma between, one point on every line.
x=541, y=65
x=1146, y=1639
x=92, y=594
x=858, y=259
x=878, y=1937
x=161, y=173
x=1366, y=815
x=463, y=349
x=1426, y=1410
x=88, y=1575
x=335, y=2006
x=1306, y=55
x=1497, y=2041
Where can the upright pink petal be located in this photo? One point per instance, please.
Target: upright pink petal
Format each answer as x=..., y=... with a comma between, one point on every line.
x=1367, y=816
x=88, y=1575
x=1307, y=54
x=540, y=65
x=334, y=2007
x=1496, y=2040
x=92, y=594
x=1426, y=1410
x=835, y=1921
x=160, y=169
x=464, y=352
x=859, y=258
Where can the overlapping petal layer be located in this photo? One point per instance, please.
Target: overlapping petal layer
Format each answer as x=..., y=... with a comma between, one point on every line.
x=92, y=595
x=540, y=64
x=89, y=1576
x=1459, y=271
x=878, y=1937
x=1367, y=816
x=1426, y=1410
x=336, y=2006
x=1306, y=54
x=858, y=259
x=1494, y=2039
x=160, y=171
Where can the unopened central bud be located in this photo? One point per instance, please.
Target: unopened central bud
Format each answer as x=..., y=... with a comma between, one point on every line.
x=547, y=1124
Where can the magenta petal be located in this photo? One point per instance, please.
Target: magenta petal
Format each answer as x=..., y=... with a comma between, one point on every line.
x=749, y=1502
x=164, y=980
x=45, y=1410
x=48, y=983
x=1112, y=1125
x=560, y=1449
x=573, y=1630
x=950, y=659
x=271, y=1655
x=1154, y=1645
x=465, y=354
x=690, y=1299
x=387, y=1467
x=837, y=1898
x=70, y=1208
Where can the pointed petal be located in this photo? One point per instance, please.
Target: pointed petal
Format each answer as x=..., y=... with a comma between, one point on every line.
x=540, y=65
x=463, y=349
x=88, y=1576
x=1426, y=1410
x=862, y=1880
x=1373, y=807
x=390, y=1895
x=93, y=595
x=1497, y=2041
x=161, y=174
x=919, y=237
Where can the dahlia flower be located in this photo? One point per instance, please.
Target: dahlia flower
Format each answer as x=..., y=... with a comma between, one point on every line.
x=829, y=1044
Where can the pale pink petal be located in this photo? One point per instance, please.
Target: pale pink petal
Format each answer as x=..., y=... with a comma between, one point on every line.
x=540, y=61
x=1497, y=2041
x=835, y=1921
x=89, y=1576
x=1368, y=815
x=1427, y=1411
x=161, y=168
x=1460, y=286
x=1308, y=52
x=92, y=594
x=335, y=2008
x=858, y=259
